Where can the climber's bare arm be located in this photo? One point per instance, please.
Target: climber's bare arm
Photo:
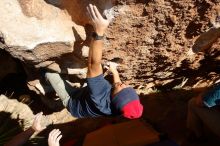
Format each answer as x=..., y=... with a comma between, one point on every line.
x=112, y=67
x=94, y=60
x=95, y=52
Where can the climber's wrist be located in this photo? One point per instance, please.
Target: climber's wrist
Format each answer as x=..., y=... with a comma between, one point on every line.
x=97, y=36
x=100, y=32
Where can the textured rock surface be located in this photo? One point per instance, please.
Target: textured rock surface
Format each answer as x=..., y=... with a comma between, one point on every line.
x=7, y=64
x=18, y=111
x=34, y=30
x=45, y=32
x=159, y=39
x=24, y=115
x=39, y=30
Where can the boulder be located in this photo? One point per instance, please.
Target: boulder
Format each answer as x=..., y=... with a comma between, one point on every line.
x=157, y=42
x=35, y=31
x=42, y=33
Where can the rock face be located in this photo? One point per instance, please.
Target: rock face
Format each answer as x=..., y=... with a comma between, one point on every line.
x=38, y=30
x=163, y=40
x=24, y=115
x=160, y=38
x=18, y=111
x=34, y=29
x=7, y=64
x=45, y=32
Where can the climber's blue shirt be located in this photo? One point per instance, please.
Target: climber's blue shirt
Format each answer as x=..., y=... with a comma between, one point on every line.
x=212, y=97
x=92, y=100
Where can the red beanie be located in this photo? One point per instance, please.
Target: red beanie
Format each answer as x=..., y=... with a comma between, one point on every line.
x=128, y=103
x=132, y=110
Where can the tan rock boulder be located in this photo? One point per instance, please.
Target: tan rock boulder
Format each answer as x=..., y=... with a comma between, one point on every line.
x=38, y=30
x=17, y=110
x=45, y=32
x=34, y=30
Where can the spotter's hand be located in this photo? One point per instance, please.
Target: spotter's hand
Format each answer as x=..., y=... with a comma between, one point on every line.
x=37, y=126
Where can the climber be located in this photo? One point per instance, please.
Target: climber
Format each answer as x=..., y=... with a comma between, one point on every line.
x=97, y=98
x=23, y=137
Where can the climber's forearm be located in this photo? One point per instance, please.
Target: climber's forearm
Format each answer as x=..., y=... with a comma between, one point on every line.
x=99, y=24
x=21, y=138
x=116, y=77
x=95, y=58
